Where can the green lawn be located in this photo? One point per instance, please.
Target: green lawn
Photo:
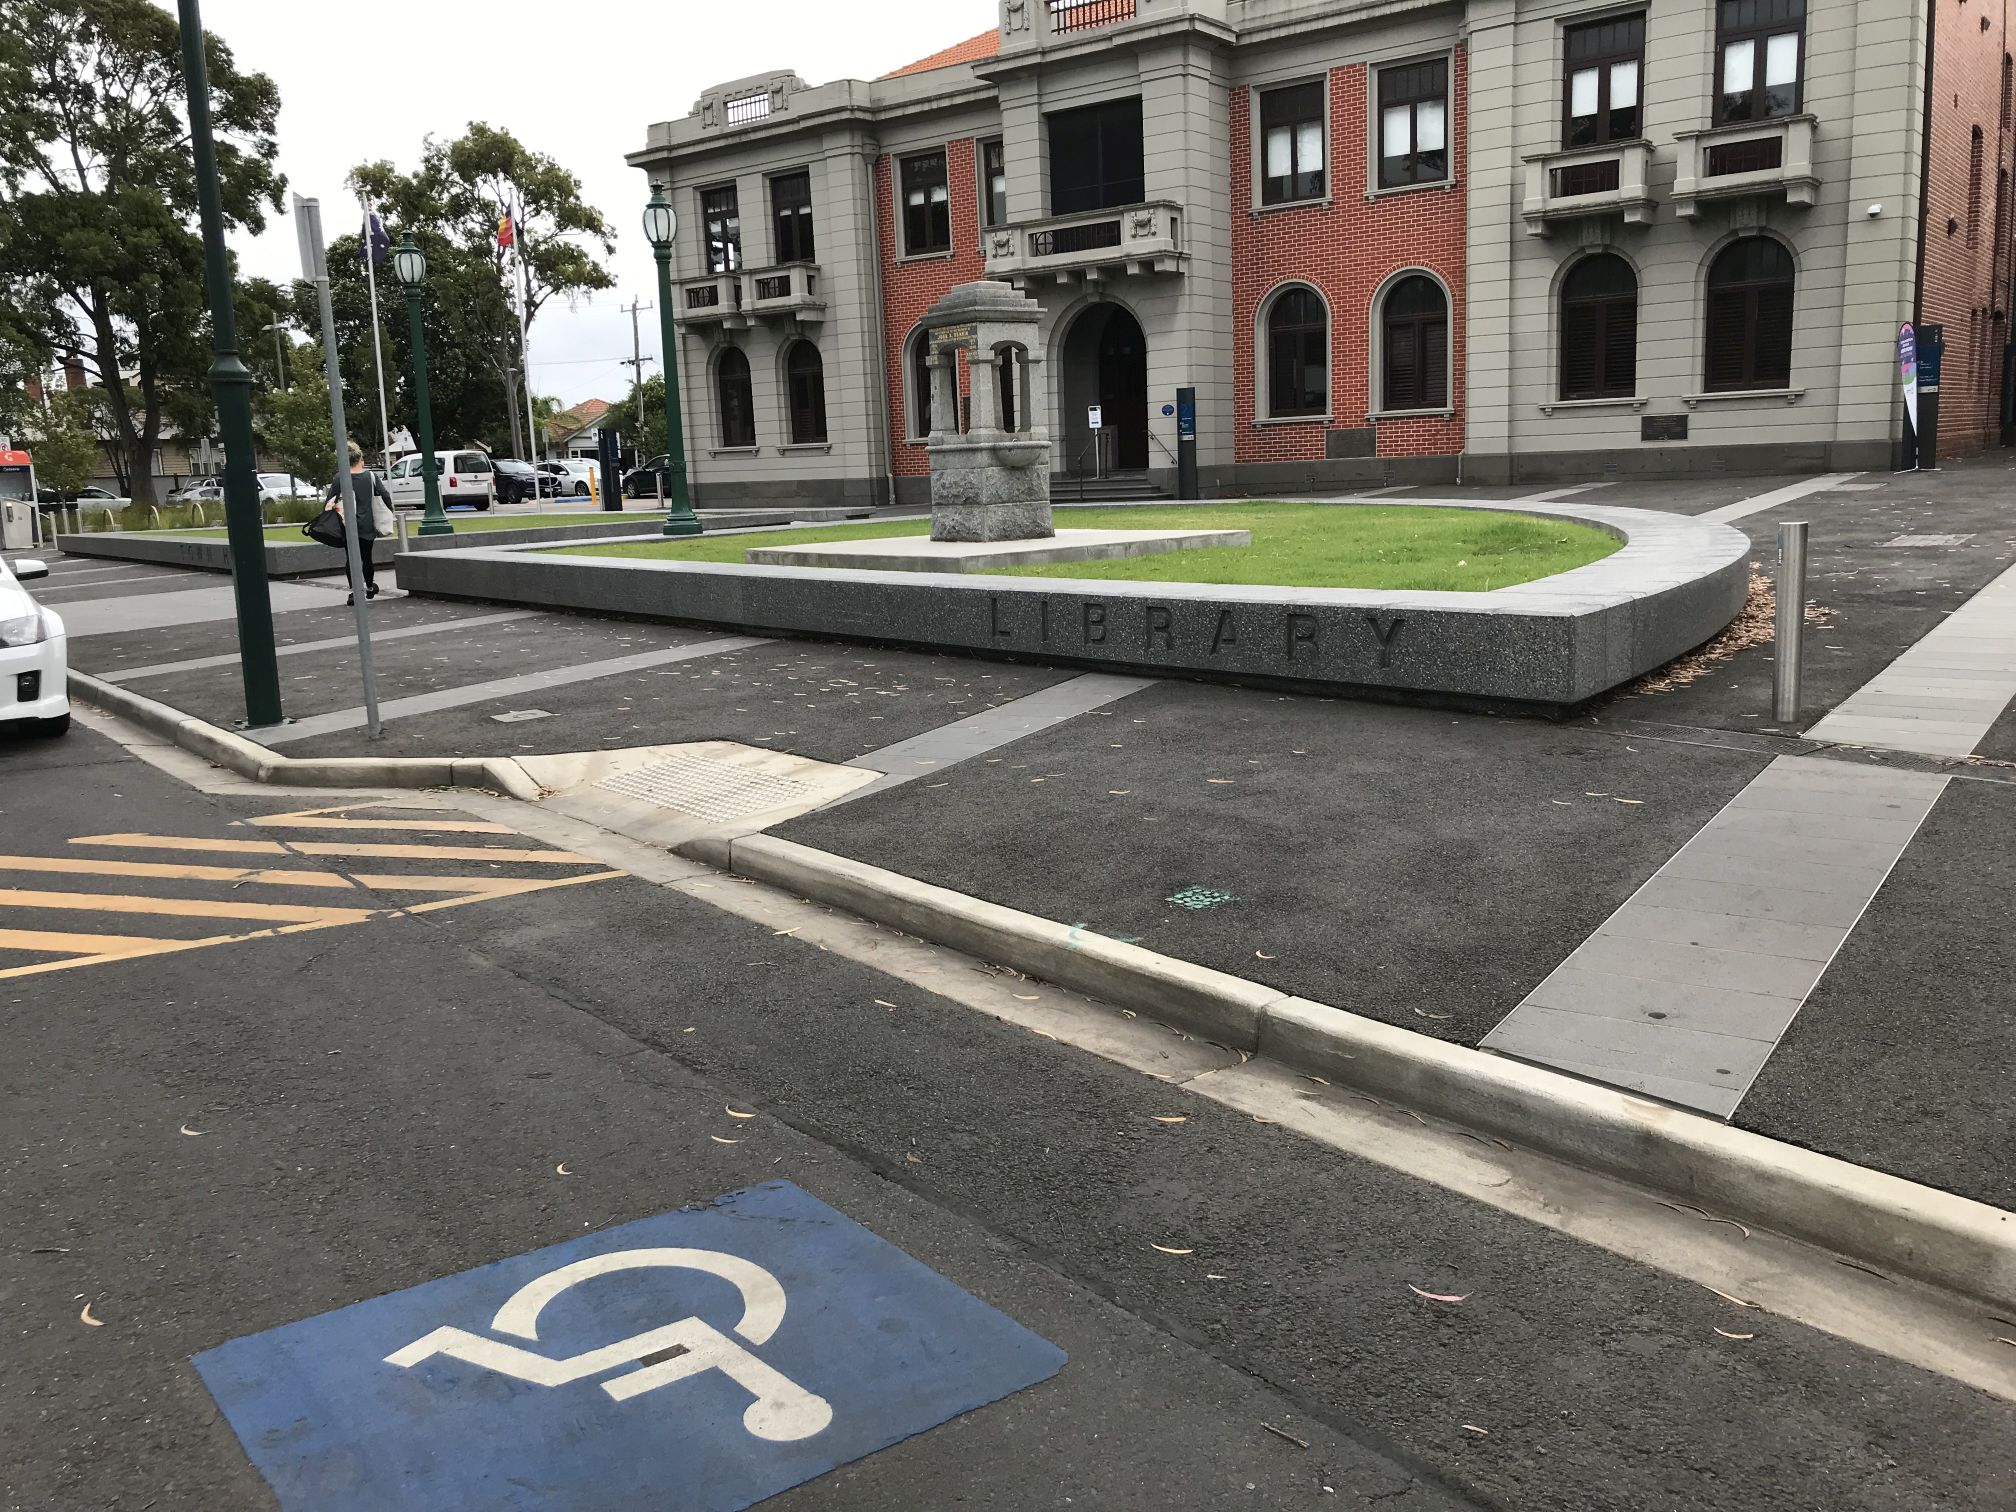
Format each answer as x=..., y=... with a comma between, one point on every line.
x=465, y=523
x=1294, y=546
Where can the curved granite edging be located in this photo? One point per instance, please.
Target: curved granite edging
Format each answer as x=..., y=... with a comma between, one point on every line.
x=1554, y=642
x=290, y=557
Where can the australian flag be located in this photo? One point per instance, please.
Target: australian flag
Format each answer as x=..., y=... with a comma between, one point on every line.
x=377, y=245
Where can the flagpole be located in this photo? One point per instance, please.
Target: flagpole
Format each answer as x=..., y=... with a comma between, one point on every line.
x=525, y=343
x=377, y=350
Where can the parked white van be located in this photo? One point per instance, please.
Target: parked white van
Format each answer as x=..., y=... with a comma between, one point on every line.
x=465, y=477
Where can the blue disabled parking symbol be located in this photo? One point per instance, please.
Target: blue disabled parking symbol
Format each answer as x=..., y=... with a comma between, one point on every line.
x=703, y=1359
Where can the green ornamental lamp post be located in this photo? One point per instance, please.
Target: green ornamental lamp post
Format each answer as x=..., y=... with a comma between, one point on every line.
x=660, y=226
x=231, y=384
x=410, y=264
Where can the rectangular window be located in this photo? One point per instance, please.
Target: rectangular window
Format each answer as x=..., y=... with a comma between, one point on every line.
x=721, y=219
x=1096, y=157
x=1603, y=61
x=1760, y=43
x=993, y=184
x=791, y=209
x=927, y=209
x=1414, y=124
x=1291, y=144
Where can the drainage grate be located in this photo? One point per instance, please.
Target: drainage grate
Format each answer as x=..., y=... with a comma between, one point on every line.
x=1200, y=897
x=1932, y=540
x=713, y=790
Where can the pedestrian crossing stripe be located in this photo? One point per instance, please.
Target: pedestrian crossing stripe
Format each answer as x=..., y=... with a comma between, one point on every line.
x=78, y=948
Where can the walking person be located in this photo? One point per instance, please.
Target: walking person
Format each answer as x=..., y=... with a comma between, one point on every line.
x=372, y=522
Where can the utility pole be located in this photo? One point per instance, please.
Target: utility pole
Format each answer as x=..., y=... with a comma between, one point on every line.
x=636, y=366
x=231, y=384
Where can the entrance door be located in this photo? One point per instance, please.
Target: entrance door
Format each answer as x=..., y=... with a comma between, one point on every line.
x=1106, y=363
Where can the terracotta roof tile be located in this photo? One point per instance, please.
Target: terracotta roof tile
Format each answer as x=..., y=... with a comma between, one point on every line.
x=972, y=50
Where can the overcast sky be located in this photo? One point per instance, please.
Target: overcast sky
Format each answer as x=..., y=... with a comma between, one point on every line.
x=580, y=84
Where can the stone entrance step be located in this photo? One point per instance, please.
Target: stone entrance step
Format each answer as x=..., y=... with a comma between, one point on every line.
x=1116, y=488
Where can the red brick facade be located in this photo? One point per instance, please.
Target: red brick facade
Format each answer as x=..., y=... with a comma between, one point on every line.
x=1346, y=250
x=911, y=286
x=1967, y=230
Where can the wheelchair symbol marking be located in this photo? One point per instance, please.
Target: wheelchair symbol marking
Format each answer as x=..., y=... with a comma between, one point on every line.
x=782, y=1411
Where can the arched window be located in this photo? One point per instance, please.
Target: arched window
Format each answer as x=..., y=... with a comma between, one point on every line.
x=737, y=405
x=1298, y=354
x=920, y=385
x=1974, y=190
x=1415, y=338
x=1749, y=316
x=805, y=377
x=1599, y=329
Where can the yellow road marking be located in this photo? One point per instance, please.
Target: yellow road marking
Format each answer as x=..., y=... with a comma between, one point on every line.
x=45, y=942
x=507, y=888
x=137, y=948
x=316, y=848
x=165, y=871
x=193, y=908
x=417, y=826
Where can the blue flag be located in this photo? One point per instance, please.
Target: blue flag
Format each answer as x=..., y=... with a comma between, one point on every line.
x=376, y=243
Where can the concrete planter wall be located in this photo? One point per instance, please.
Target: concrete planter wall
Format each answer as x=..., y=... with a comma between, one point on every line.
x=1549, y=644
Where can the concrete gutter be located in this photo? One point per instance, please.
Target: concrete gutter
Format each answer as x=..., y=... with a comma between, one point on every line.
x=1897, y=1226
x=250, y=759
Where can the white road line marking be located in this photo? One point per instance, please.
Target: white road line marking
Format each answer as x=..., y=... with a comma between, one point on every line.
x=1791, y=493
x=337, y=643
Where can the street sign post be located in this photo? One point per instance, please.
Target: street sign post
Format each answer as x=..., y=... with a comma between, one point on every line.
x=315, y=270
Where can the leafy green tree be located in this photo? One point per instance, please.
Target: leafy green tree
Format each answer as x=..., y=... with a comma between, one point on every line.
x=99, y=249
x=641, y=417
x=293, y=423
x=64, y=440
x=452, y=204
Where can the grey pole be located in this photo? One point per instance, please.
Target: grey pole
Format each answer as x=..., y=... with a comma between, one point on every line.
x=1790, y=648
x=315, y=269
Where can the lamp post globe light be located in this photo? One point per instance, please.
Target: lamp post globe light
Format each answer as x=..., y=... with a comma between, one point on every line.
x=660, y=226
x=410, y=264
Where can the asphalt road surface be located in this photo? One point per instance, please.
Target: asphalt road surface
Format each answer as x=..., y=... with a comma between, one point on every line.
x=336, y=1056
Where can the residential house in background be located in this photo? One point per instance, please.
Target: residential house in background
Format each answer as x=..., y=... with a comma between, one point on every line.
x=1385, y=243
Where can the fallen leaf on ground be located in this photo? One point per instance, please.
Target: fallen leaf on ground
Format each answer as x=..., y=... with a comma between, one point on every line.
x=883, y=1003
x=1728, y=1335
x=1028, y=997
x=193, y=1133
x=1316, y=1079
x=1727, y=1298
x=87, y=1320
x=1170, y=1117
x=1999, y=1339
x=1282, y=1433
x=1424, y=1013
x=1118, y=792
x=1168, y=1251
x=1473, y=1428
x=913, y=1158
x=1220, y=781
x=561, y=1169
x=1044, y=1032
x=1730, y=1221
x=1595, y=795
x=733, y=1114
x=1563, y=802
x=1439, y=1296
x=719, y=1140
x=1634, y=802
x=791, y=931
x=1262, y=955
x=687, y=1030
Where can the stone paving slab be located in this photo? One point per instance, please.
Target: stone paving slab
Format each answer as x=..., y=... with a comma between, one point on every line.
x=922, y=554
x=1698, y=1016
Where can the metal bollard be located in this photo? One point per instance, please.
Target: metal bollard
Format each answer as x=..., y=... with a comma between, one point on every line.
x=1791, y=637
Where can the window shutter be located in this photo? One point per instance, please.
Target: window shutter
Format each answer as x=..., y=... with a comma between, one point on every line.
x=1773, y=337
x=1579, y=350
x=1728, y=340
x=1434, y=364
x=1402, y=371
x=1620, y=349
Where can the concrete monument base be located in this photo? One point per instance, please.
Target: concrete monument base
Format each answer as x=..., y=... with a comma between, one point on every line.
x=923, y=554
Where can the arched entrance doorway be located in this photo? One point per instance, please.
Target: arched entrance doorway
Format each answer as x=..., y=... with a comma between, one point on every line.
x=1105, y=362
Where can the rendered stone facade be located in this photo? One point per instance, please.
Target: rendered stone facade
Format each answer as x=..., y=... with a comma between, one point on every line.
x=1173, y=279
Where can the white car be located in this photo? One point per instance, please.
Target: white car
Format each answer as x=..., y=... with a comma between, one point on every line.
x=273, y=486
x=575, y=475
x=465, y=477
x=34, y=684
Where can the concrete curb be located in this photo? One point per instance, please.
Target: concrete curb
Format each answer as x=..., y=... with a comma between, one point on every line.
x=1897, y=1226
x=249, y=759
